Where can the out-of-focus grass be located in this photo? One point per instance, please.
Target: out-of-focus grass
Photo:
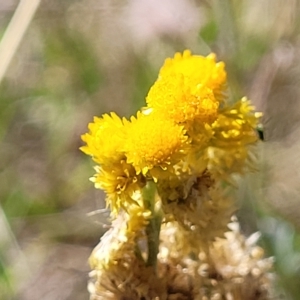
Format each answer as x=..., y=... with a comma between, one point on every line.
x=84, y=58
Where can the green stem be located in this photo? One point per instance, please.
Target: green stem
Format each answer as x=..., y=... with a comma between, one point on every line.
x=153, y=227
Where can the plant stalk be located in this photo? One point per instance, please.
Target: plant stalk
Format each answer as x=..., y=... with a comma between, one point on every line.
x=153, y=227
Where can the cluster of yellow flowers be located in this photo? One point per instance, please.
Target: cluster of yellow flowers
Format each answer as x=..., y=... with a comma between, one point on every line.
x=185, y=128
x=185, y=144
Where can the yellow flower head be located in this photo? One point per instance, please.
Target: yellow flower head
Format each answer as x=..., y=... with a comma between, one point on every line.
x=154, y=144
x=189, y=88
x=115, y=176
x=104, y=139
x=198, y=70
x=120, y=183
x=234, y=131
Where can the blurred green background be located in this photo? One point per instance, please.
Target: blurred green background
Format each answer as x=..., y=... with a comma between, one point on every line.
x=84, y=58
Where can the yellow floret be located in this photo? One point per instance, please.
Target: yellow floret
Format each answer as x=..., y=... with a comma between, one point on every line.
x=154, y=144
x=189, y=88
x=104, y=139
x=198, y=69
x=234, y=132
x=181, y=102
x=120, y=183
